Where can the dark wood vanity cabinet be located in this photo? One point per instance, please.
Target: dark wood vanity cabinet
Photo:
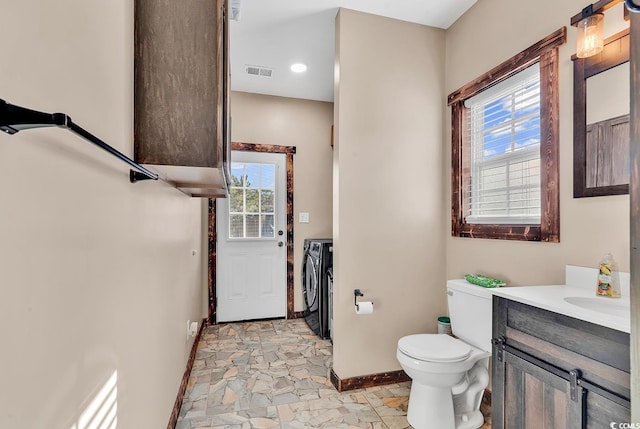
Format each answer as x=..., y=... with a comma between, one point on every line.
x=554, y=371
x=181, y=93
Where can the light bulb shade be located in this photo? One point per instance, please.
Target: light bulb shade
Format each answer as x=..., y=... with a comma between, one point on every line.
x=590, y=36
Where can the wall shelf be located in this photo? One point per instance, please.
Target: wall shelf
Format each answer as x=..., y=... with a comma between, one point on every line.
x=15, y=118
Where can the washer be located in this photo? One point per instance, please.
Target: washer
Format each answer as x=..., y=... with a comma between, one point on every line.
x=317, y=259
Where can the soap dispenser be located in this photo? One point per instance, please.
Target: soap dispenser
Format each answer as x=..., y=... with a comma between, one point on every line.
x=608, y=278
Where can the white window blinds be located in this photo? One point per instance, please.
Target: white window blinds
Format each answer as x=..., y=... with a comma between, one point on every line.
x=504, y=127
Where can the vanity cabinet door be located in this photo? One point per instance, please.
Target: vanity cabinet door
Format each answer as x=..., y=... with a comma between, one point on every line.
x=535, y=398
x=539, y=357
x=602, y=411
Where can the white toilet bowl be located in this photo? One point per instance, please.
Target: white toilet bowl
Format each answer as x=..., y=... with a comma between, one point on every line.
x=450, y=374
x=448, y=380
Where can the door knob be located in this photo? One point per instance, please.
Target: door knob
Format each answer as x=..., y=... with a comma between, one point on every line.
x=280, y=243
x=280, y=232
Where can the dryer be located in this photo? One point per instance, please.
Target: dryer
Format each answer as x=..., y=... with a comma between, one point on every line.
x=317, y=259
x=330, y=301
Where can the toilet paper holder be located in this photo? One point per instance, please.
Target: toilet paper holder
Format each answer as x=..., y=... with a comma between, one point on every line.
x=356, y=294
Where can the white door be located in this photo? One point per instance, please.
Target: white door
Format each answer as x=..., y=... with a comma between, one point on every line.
x=251, y=279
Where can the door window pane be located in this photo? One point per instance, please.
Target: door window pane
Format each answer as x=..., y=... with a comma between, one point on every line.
x=268, y=176
x=267, y=200
x=252, y=175
x=236, y=226
x=236, y=200
x=268, y=226
x=237, y=173
x=253, y=226
x=252, y=201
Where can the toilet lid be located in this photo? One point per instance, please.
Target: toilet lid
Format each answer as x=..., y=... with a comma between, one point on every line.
x=434, y=348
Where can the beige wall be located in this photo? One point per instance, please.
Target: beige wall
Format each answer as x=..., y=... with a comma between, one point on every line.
x=485, y=36
x=306, y=125
x=389, y=175
x=97, y=274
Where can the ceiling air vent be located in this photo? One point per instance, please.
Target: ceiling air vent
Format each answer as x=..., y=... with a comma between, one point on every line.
x=259, y=71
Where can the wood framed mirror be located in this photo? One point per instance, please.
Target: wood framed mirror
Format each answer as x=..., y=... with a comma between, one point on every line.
x=600, y=121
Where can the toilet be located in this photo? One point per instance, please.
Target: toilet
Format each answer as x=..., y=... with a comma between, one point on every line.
x=449, y=374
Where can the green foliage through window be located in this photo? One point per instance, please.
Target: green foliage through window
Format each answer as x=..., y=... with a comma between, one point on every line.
x=252, y=201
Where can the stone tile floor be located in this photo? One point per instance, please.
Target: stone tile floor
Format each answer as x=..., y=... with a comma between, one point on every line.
x=275, y=374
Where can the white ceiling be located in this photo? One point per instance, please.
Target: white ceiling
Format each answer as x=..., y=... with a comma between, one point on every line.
x=278, y=33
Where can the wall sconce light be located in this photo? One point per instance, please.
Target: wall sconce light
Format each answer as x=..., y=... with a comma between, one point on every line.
x=590, y=22
x=590, y=39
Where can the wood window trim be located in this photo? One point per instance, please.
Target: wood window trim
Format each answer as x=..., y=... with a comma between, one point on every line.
x=546, y=53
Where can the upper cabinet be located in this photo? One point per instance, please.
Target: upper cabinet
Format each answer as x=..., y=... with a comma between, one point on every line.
x=181, y=114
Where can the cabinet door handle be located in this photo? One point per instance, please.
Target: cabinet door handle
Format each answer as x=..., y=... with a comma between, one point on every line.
x=574, y=377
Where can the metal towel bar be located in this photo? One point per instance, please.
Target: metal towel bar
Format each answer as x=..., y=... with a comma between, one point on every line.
x=15, y=118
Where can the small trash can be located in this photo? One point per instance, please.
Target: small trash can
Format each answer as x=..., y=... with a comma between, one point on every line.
x=444, y=325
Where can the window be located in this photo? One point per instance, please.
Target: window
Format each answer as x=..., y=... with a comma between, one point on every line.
x=505, y=149
x=252, y=201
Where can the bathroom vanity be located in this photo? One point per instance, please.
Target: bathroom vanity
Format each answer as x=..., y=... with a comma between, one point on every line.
x=560, y=356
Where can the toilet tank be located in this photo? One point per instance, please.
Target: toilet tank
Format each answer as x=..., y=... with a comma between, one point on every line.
x=470, y=310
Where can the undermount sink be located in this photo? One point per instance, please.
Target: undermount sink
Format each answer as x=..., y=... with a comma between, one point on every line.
x=614, y=307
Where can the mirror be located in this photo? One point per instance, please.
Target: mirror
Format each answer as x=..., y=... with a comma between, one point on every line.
x=607, y=142
x=601, y=120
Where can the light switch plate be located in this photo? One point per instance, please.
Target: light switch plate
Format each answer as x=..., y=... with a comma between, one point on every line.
x=303, y=217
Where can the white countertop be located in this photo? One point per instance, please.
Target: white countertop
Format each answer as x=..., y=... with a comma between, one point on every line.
x=581, y=283
x=552, y=298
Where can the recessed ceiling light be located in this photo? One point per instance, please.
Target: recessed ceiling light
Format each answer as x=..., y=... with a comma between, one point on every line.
x=298, y=68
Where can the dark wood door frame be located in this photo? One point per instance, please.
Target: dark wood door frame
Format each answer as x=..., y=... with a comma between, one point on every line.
x=250, y=147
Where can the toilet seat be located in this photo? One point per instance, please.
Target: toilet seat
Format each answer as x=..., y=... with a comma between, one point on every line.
x=434, y=348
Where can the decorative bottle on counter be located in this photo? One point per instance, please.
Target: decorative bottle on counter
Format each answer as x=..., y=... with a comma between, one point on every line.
x=608, y=278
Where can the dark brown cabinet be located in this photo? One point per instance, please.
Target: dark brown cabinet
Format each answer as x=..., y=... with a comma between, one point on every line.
x=181, y=114
x=553, y=371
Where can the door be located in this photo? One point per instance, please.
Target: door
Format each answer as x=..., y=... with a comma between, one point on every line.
x=251, y=270
x=534, y=398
